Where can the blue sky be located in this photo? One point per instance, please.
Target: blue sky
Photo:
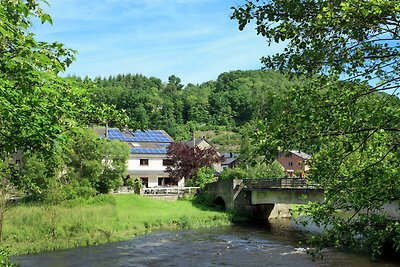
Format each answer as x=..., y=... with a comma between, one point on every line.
x=192, y=39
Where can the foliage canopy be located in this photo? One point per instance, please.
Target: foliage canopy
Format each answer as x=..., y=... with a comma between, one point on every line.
x=350, y=52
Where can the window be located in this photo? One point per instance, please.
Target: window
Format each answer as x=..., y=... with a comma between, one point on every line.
x=290, y=164
x=166, y=162
x=144, y=162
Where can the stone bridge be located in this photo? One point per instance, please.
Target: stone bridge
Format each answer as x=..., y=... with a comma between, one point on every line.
x=258, y=197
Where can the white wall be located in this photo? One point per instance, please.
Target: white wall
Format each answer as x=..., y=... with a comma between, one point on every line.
x=155, y=164
x=153, y=171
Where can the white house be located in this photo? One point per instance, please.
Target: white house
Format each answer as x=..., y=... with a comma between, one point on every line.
x=148, y=159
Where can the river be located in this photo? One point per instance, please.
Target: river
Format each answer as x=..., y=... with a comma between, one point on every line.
x=274, y=245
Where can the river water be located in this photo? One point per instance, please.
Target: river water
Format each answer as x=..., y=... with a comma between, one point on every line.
x=274, y=245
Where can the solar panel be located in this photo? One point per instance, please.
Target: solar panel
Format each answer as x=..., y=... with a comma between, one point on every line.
x=139, y=136
x=148, y=151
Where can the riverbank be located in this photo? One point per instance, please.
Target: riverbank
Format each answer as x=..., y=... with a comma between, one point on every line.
x=32, y=228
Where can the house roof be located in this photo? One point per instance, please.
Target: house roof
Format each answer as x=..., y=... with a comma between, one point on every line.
x=228, y=161
x=230, y=158
x=197, y=142
x=301, y=154
x=231, y=155
x=140, y=142
x=154, y=136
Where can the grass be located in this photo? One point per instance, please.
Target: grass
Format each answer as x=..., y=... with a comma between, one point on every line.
x=32, y=228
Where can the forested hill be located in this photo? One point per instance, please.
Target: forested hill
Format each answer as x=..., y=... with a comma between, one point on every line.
x=228, y=103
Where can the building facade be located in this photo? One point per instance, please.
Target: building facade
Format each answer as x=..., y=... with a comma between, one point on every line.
x=294, y=161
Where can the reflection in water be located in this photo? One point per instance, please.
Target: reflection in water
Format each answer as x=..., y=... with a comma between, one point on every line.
x=225, y=246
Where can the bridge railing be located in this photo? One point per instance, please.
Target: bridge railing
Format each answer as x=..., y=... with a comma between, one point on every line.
x=287, y=182
x=170, y=190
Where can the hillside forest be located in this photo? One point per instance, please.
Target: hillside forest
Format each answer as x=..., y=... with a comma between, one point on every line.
x=218, y=110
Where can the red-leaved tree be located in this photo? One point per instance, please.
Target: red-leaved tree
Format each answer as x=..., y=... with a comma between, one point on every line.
x=185, y=161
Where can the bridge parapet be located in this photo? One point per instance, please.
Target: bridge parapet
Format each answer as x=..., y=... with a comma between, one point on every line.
x=267, y=183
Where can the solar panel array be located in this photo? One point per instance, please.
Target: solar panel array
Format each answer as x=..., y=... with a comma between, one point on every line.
x=139, y=136
x=138, y=150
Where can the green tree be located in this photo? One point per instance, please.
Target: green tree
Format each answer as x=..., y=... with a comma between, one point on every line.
x=350, y=51
x=174, y=84
x=38, y=108
x=233, y=173
x=196, y=103
x=203, y=176
x=98, y=165
x=37, y=105
x=266, y=170
x=87, y=165
x=36, y=173
x=115, y=155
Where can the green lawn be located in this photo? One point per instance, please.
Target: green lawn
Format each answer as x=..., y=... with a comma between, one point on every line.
x=31, y=228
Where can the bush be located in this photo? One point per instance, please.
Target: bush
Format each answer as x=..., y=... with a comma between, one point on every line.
x=203, y=176
x=134, y=182
x=205, y=198
x=264, y=170
x=236, y=173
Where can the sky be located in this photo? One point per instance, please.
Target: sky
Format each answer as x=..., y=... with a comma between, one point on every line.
x=193, y=39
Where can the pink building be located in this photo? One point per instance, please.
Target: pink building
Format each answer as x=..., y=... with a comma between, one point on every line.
x=293, y=161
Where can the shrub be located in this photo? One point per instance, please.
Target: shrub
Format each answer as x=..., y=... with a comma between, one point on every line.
x=236, y=173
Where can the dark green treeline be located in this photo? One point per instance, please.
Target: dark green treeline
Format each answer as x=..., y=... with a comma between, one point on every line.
x=234, y=99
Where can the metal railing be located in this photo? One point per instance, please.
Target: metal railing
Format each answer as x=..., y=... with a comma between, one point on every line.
x=287, y=182
x=170, y=190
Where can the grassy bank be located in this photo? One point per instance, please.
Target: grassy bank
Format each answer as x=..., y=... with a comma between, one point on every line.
x=31, y=228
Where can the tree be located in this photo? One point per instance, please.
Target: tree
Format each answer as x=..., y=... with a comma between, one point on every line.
x=349, y=51
x=356, y=38
x=115, y=155
x=186, y=160
x=174, y=84
x=233, y=173
x=38, y=108
x=204, y=175
x=39, y=173
x=98, y=165
x=87, y=165
x=37, y=105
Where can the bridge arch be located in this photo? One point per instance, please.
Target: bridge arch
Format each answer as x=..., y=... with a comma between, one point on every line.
x=220, y=202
